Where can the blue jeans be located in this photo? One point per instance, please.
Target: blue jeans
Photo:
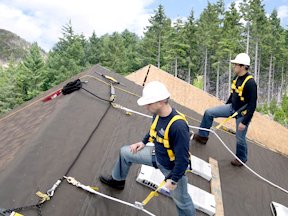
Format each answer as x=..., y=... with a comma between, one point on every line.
x=180, y=196
x=226, y=111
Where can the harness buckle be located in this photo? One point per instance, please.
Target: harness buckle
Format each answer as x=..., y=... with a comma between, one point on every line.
x=154, y=163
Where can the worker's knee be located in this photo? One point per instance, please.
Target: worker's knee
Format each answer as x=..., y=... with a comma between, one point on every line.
x=124, y=151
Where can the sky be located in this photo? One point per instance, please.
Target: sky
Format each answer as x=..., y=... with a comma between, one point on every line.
x=41, y=21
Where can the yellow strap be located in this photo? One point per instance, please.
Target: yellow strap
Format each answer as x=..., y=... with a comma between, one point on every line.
x=233, y=86
x=153, y=193
x=94, y=188
x=175, y=118
x=171, y=154
x=16, y=214
x=240, y=88
x=153, y=132
x=44, y=197
x=166, y=134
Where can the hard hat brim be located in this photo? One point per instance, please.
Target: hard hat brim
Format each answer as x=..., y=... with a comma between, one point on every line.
x=234, y=61
x=145, y=101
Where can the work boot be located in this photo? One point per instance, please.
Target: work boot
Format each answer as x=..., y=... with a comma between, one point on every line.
x=112, y=182
x=200, y=139
x=237, y=163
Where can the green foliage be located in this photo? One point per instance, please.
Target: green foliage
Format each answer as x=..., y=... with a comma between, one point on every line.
x=154, y=44
x=198, y=82
x=273, y=106
x=31, y=74
x=164, y=44
x=67, y=57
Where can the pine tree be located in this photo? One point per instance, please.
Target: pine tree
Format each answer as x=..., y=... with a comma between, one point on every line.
x=230, y=44
x=209, y=34
x=31, y=74
x=68, y=57
x=93, y=49
x=190, y=38
x=176, y=51
x=155, y=38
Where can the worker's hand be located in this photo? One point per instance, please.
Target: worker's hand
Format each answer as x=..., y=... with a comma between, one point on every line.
x=134, y=148
x=241, y=127
x=169, y=185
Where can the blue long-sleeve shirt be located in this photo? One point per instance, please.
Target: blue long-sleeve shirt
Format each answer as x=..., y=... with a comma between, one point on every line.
x=179, y=143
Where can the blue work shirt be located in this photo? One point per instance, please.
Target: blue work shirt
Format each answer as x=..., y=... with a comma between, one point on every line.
x=179, y=143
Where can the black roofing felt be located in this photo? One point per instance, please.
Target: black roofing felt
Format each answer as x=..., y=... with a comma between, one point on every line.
x=54, y=143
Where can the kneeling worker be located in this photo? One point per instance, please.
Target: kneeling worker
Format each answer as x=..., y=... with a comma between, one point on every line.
x=170, y=155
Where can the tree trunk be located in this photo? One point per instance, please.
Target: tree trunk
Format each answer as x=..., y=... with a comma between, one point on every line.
x=189, y=75
x=176, y=66
x=269, y=80
x=281, y=86
x=273, y=81
x=205, y=72
x=248, y=39
x=258, y=73
x=217, y=83
x=229, y=75
x=159, y=50
x=256, y=60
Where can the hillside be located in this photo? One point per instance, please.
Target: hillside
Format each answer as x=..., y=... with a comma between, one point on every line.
x=12, y=47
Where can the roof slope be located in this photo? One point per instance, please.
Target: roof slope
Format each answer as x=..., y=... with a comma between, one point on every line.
x=47, y=154
x=268, y=132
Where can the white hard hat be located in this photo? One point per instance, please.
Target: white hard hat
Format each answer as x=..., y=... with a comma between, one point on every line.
x=153, y=92
x=242, y=58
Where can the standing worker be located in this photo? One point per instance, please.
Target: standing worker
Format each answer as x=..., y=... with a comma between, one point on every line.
x=170, y=134
x=243, y=92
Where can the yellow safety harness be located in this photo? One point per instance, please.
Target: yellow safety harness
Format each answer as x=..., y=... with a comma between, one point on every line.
x=240, y=88
x=165, y=140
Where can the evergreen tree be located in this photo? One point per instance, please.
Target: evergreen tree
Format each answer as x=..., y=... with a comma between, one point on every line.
x=155, y=38
x=176, y=50
x=190, y=38
x=93, y=49
x=31, y=74
x=68, y=57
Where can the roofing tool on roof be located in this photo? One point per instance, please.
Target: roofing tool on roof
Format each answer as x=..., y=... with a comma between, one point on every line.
x=78, y=184
x=242, y=109
x=111, y=80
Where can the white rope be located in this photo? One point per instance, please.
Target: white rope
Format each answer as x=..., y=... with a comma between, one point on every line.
x=255, y=173
x=223, y=143
x=76, y=183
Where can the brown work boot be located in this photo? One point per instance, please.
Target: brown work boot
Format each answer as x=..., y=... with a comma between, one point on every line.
x=237, y=163
x=200, y=139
